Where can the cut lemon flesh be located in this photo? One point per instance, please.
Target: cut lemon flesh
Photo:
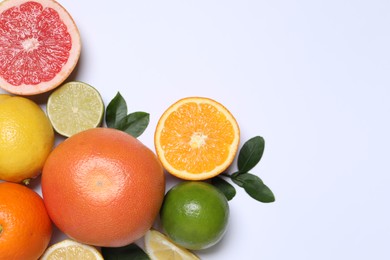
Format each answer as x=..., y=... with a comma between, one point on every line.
x=159, y=247
x=75, y=107
x=71, y=250
x=196, y=138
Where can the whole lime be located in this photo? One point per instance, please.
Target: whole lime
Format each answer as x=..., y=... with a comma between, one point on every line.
x=195, y=214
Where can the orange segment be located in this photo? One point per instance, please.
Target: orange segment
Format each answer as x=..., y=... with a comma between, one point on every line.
x=196, y=138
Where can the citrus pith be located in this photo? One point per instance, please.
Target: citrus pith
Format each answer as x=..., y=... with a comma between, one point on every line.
x=103, y=187
x=40, y=45
x=196, y=138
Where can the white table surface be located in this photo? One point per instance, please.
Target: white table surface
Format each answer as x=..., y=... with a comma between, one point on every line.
x=311, y=77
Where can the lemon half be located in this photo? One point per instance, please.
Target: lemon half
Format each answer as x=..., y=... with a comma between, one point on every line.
x=160, y=247
x=71, y=250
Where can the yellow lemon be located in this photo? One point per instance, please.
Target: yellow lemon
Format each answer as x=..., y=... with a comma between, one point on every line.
x=70, y=249
x=158, y=247
x=26, y=138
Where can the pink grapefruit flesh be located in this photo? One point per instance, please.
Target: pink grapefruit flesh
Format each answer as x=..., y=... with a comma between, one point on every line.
x=39, y=46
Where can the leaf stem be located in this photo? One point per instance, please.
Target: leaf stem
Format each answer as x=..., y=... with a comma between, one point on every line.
x=226, y=175
x=26, y=181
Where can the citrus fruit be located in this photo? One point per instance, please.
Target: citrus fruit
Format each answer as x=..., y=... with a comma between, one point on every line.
x=71, y=250
x=25, y=227
x=195, y=215
x=103, y=187
x=196, y=138
x=158, y=246
x=40, y=45
x=26, y=138
x=75, y=107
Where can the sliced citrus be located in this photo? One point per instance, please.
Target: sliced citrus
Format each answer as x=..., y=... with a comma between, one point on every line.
x=40, y=45
x=196, y=138
x=159, y=247
x=71, y=250
x=75, y=107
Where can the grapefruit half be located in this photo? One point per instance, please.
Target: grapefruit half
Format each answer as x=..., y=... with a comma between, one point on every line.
x=39, y=46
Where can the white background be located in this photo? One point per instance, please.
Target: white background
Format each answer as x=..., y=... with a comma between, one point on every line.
x=311, y=77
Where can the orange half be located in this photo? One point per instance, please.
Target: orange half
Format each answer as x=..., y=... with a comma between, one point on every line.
x=196, y=138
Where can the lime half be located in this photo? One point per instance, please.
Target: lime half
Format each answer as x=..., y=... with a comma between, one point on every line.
x=75, y=107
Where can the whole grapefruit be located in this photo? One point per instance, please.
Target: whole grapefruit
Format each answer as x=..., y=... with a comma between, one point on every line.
x=25, y=226
x=103, y=187
x=40, y=45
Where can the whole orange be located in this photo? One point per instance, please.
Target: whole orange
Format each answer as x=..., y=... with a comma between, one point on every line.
x=25, y=226
x=103, y=187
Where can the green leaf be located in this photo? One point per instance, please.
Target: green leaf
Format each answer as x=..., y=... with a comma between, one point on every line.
x=234, y=174
x=226, y=188
x=117, y=117
x=255, y=187
x=134, y=123
x=250, y=154
x=129, y=252
x=237, y=181
x=116, y=111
